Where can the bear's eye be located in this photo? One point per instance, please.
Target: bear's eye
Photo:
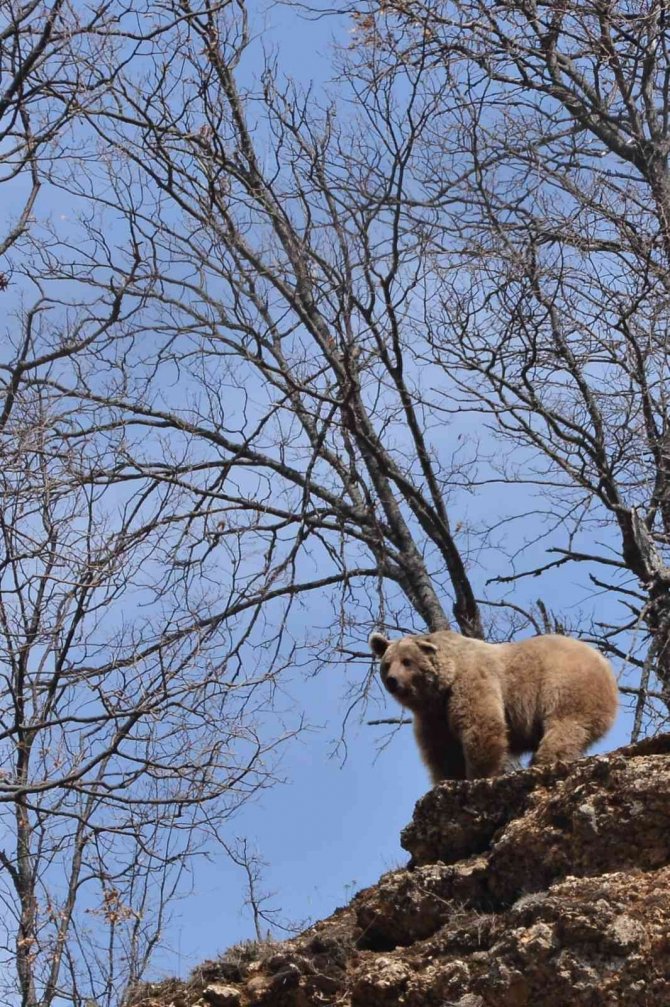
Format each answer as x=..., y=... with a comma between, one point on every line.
x=407, y=662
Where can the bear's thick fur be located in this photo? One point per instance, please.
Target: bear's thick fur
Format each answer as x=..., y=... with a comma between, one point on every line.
x=475, y=703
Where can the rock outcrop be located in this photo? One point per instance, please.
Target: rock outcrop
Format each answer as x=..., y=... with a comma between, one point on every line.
x=544, y=888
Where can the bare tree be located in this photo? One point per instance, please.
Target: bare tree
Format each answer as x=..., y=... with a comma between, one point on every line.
x=51, y=71
x=550, y=311
x=353, y=275
x=266, y=919
x=265, y=362
x=131, y=708
x=137, y=708
x=270, y=288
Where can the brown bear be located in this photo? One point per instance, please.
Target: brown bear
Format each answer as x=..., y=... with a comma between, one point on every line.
x=475, y=704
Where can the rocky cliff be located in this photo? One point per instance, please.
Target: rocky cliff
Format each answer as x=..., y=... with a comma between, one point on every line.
x=544, y=888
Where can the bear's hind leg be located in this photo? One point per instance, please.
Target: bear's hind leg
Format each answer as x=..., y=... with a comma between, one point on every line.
x=563, y=740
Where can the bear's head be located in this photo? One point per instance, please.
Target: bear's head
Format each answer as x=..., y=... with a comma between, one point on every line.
x=407, y=668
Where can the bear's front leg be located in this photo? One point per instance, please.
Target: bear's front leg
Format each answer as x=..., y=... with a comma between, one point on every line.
x=441, y=751
x=483, y=734
x=485, y=750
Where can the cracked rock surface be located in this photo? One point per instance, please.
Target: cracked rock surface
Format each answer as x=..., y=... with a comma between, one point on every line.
x=546, y=888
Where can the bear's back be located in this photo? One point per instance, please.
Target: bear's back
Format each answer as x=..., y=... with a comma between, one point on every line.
x=556, y=677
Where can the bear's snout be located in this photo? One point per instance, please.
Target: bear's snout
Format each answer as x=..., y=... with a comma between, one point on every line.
x=392, y=684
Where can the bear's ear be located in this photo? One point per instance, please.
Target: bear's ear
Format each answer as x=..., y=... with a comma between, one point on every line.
x=378, y=644
x=426, y=646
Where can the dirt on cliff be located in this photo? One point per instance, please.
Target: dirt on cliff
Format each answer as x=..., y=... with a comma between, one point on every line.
x=544, y=888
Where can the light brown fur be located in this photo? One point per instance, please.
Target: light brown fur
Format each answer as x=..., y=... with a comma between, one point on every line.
x=477, y=703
